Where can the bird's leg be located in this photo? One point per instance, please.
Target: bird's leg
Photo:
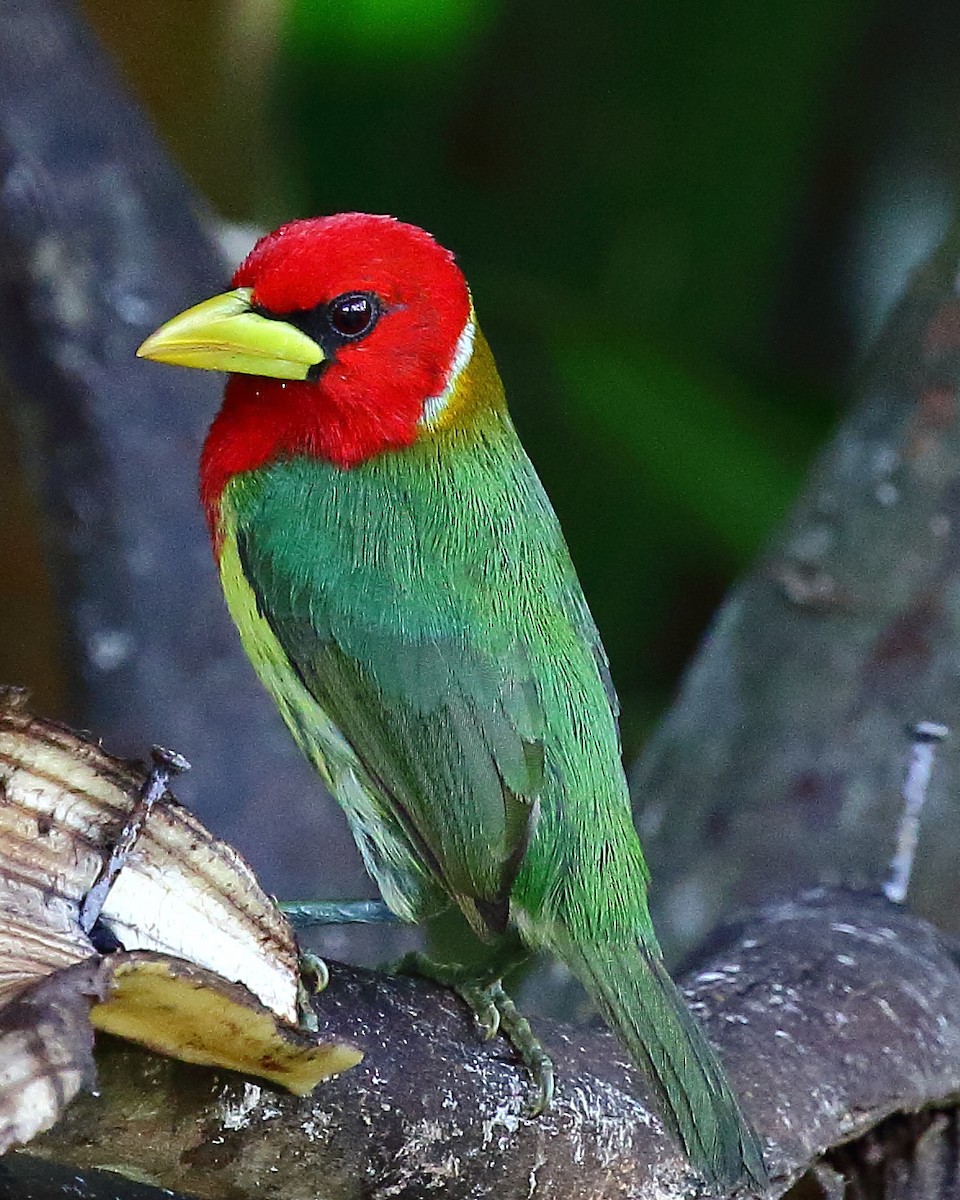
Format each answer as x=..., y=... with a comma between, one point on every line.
x=307, y=914
x=493, y=1010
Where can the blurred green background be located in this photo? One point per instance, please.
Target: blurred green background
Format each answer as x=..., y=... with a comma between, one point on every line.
x=679, y=222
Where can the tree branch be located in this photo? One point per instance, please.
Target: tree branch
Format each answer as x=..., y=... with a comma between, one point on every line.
x=832, y=1013
x=783, y=760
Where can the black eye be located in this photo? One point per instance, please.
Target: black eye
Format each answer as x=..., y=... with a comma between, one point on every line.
x=353, y=315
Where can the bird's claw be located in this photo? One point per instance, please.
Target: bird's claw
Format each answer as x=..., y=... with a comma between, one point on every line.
x=314, y=977
x=314, y=971
x=480, y=1002
x=516, y=1029
x=494, y=1012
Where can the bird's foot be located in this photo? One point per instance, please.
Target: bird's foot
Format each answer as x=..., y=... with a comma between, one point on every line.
x=314, y=977
x=516, y=1029
x=494, y=1012
x=313, y=971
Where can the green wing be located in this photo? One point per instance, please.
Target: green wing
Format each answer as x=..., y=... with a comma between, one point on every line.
x=448, y=728
x=427, y=604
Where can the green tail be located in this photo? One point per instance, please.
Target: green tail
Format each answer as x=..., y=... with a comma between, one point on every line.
x=641, y=1003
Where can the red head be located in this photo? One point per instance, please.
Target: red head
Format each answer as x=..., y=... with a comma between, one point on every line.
x=386, y=309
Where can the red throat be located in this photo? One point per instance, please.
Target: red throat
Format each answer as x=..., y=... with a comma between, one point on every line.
x=369, y=398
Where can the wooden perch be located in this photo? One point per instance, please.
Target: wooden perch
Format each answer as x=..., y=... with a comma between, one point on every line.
x=833, y=1013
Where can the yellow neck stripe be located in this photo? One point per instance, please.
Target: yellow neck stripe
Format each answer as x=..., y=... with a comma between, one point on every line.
x=435, y=406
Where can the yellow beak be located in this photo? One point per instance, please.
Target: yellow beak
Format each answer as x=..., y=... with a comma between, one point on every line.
x=225, y=334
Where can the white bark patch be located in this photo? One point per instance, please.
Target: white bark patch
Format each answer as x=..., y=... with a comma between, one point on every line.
x=236, y=1114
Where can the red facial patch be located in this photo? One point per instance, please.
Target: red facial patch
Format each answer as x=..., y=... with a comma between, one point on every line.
x=370, y=398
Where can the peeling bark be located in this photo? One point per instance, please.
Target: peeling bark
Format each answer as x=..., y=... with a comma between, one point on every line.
x=181, y=951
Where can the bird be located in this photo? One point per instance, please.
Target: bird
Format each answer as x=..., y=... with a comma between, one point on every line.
x=403, y=590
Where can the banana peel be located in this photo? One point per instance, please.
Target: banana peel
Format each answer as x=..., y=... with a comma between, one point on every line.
x=206, y=966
